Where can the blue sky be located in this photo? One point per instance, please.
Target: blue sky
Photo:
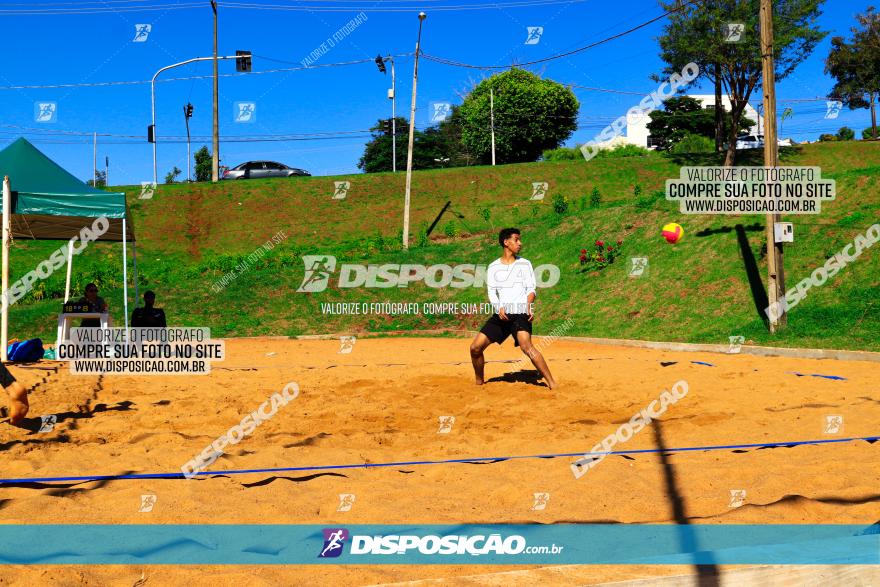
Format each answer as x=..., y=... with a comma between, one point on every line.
x=91, y=48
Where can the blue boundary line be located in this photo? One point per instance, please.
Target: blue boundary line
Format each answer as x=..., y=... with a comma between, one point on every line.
x=440, y=462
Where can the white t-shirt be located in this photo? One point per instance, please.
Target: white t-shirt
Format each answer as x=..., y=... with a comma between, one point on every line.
x=510, y=285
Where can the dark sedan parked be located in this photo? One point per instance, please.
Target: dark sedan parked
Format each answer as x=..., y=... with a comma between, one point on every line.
x=260, y=169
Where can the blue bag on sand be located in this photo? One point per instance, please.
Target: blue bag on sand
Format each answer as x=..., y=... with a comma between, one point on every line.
x=26, y=351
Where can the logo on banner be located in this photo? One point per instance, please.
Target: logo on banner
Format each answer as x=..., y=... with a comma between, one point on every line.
x=334, y=540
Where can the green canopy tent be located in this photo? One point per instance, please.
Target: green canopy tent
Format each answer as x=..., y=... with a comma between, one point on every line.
x=41, y=200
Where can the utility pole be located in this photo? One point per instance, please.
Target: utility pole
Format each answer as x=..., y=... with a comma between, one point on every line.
x=492, y=120
x=775, y=264
x=215, y=158
x=106, y=171
x=95, y=160
x=412, y=128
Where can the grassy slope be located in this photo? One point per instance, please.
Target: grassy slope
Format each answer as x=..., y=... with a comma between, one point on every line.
x=696, y=291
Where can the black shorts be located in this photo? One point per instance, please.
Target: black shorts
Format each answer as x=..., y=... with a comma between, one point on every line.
x=497, y=330
x=6, y=378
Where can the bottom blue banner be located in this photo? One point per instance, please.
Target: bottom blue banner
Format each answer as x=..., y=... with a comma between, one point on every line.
x=586, y=544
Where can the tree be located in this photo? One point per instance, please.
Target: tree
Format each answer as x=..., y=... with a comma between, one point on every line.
x=531, y=116
x=451, y=129
x=846, y=134
x=856, y=66
x=682, y=116
x=431, y=147
x=101, y=181
x=378, y=151
x=203, y=161
x=692, y=143
x=171, y=176
x=685, y=40
x=868, y=133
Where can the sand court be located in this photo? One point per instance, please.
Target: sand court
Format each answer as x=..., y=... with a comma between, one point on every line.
x=412, y=400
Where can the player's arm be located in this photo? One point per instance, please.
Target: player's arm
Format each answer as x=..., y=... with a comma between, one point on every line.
x=531, y=290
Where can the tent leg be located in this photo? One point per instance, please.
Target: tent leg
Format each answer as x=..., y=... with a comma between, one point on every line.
x=4, y=321
x=125, y=274
x=134, y=252
x=69, y=267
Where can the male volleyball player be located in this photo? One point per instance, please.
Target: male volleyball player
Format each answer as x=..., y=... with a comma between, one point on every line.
x=511, y=284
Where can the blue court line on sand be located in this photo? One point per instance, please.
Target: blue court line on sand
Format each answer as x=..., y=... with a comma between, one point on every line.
x=834, y=377
x=440, y=462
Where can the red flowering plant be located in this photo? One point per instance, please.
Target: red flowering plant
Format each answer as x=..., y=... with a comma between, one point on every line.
x=601, y=256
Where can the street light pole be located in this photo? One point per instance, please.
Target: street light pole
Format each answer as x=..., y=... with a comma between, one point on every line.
x=412, y=127
x=153, y=102
x=215, y=158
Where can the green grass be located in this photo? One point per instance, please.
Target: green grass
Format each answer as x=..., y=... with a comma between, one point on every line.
x=190, y=236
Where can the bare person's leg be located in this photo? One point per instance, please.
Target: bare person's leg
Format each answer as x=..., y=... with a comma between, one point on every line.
x=525, y=343
x=479, y=344
x=18, y=402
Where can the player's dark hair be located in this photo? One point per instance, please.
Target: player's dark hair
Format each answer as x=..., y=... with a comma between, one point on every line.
x=149, y=294
x=505, y=234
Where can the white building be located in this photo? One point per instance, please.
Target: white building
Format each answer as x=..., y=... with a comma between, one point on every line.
x=637, y=131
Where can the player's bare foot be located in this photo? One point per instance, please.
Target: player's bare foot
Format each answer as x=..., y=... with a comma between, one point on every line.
x=18, y=403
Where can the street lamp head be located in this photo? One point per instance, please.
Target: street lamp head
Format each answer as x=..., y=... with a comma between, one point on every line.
x=422, y=16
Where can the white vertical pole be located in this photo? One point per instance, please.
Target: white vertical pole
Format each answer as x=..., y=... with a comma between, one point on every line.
x=4, y=323
x=134, y=252
x=125, y=274
x=69, y=266
x=412, y=128
x=95, y=161
x=153, y=118
x=393, y=119
x=492, y=118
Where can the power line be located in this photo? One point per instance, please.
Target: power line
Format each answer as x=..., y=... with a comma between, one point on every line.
x=196, y=77
x=98, y=8
x=131, y=6
x=444, y=61
x=401, y=6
